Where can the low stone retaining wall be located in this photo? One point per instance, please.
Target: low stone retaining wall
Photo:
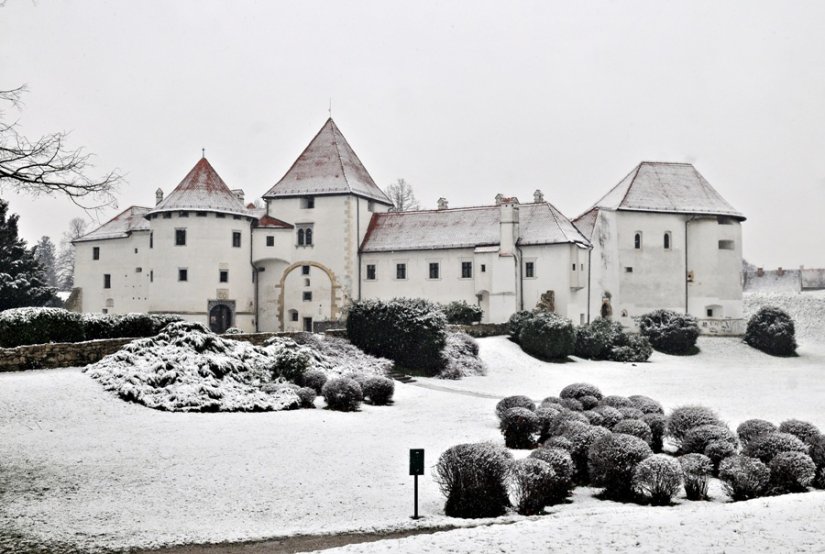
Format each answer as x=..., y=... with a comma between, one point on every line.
x=58, y=354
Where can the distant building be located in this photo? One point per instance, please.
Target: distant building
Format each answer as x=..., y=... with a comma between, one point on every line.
x=326, y=237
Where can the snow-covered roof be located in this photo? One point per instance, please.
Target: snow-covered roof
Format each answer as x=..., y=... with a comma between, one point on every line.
x=328, y=166
x=587, y=222
x=121, y=226
x=203, y=190
x=466, y=228
x=667, y=187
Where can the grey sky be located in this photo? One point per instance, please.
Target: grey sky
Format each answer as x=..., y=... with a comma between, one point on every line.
x=462, y=99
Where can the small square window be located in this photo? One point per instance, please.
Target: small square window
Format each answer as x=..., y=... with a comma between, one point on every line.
x=725, y=245
x=466, y=270
x=370, y=272
x=236, y=217
x=270, y=240
x=138, y=270
x=401, y=271
x=107, y=281
x=574, y=267
x=308, y=202
x=200, y=214
x=223, y=275
x=304, y=270
x=293, y=315
x=236, y=239
x=136, y=250
x=183, y=214
x=529, y=269
x=180, y=237
x=434, y=270
x=167, y=215
x=307, y=296
x=220, y=215
x=709, y=311
x=183, y=275
x=95, y=252
x=628, y=270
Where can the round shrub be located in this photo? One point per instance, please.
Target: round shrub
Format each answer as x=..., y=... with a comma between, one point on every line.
x=631, y=413
x=817, y=453
x=684, y=419
x=697, y=439
x=379, y=390
x=461, y=313
x=631, y=348
x=791, y=472
x=314, y=379
x=562, y=464
x=516, y=322
x=342, y=394
x=646, y=404
x=765, y=447
x=548, y=336
x=290, y=365
x=696, y=472
x=410, y=331
x=545, y=417
x=562, y=443
x=802, y=430
x=771, y=330
x=610, y=416
x=519, y=427
x=657, y=479
x=517, y=401
x=718, y=451
x=558, y=420
x=20, y=326
x=595, y=418
x=572, y=404
x=550, y=401
x=307, y=396
x=636, y=428
x=616, y=402
x=594, y=340
x=657, y=424
x=581, y=437
x=472, y=477
x=588, y=402
x=753, y=428
x=612, y=460
x=533, y=481
x=743, y=477
x=669, y=331
x=579, y=390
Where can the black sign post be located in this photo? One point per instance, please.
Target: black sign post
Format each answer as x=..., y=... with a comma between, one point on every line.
x=416, y=469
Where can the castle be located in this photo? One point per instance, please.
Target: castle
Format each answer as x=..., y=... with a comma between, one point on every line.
x=662, y=238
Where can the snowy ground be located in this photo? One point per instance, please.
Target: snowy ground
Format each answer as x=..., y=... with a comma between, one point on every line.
x=80, y=467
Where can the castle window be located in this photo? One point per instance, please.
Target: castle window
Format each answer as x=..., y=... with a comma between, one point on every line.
x=304, y=270
x=138, y=270
x=151, y=240
x=574, y=267
x=434, y=270
x=401, y=271
x=200, y=214
x=293, y=315
x=725, y=245
x=167, y=215
x=529, y=269
x=307, y=296
x=151, y=275
x=270, y=240
x=223, y=275
x=667, y=240
x=309, y=236
x=305, y=234
x=183, y=214
x=180, y=237
x=637, y=240
x=466, y=270
x=306, y=282
x=236, y=239
x=220, y=215
x=370, y=272
x=183, y=274
x=107, y=281
x=724, y=220
x=628, y=270
x=308, y=202
x=236, y=217
x=95, y=252
x=484, y=268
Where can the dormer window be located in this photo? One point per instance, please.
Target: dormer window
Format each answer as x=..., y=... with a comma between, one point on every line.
x=307, y=202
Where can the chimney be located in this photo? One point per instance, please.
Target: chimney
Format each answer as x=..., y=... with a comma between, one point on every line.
x=499, y=198
x=238, y=194
x=538, y=197
x=760, y=272
x=158, y=196
x=508, y=226
x=442, y=203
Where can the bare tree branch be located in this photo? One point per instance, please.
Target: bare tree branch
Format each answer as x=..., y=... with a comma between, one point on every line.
x=401, y=195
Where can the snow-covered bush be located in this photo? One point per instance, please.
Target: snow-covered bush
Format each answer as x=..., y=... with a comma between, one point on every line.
x=610, y=416
x=631, y=413
x=572, y=404
x=817, y=453
x=550, y=401
x=615, y=401
x=519, y=427
x=631, y=348
x=134, y=325
x=516, y=322
x=290, y=364
x=595, y=339
x=473, y=478
x=562, y=443
x=646, y=404
x=744, y=477
x=335, y=355
x=412, y=332
x=696, y=471
x=766, y=446
x=565, y=415
x=718, y=451
x=588, y=402
x=461, y=357
x=669, y=331
x=517, y=401
x=791, y=472
x=461, y=313
x=20, y=326
x=379, y=390
x=532, y=483
x=612, y=460
x=233, y=331
x=579, y=390
x=548, y=336
x=307, y=396
x=685, y=418
x=594, y=417
x=545, y=417
x=636, y=428
x=562, y=464
x=342, y=394
x=657, y=479
x=657, y=424
x=771, y=330
x=753, y=428
x=802, y=430
x=582, y=437
x=314, y=379
x=697, y=439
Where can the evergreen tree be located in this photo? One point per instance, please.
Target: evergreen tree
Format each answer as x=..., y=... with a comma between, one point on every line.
x=44, y=254
x=21, y=283
x=65, y=260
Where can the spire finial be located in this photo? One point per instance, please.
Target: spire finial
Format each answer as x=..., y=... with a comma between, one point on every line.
x=330, y=107
x=203, y=152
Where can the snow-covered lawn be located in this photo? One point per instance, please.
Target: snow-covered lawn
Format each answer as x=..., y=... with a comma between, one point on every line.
x=79, y=466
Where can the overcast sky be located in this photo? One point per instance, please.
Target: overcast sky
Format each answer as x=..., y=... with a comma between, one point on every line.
x=462, y=99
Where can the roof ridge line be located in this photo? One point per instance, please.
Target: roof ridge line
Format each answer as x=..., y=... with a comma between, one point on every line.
x=338, y=154
x=630, y=184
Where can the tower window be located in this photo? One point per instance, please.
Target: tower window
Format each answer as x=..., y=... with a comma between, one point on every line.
x=484, y=268
x=401, y=271
x=667, y=240
x=308, y=202
x=293, y=315
x=637, y=241
x=95, y=252
x=725, y=245
x=180, y=237
x=223, y=275
x=466, y=270
x=236, y=239
x=270, y=240
x=434, y=270
x=107, y=281
x=151, y=240
x=529, y=269
x=305, y=235
x=183, y=274
x=307, y=296
x=304, y=270
x=370, y=272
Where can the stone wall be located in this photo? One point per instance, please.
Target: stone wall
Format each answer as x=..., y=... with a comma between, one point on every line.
x=58, y=354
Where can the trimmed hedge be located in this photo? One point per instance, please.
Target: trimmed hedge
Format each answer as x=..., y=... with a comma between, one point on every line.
x=603, y=339
x=342, y=394
x=473, y=478
x=379, y=390
x=696, y=470
x=548, y=336
x=461, y=313
x=657, y=478
x=533, y=482
x=669, y=331
x=743, y=477
x=772, y=331
x=612, y=460
x=411, y=332
x=516, y=322
x=519, y=427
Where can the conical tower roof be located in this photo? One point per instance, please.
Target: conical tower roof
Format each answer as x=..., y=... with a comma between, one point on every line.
x=203, y=190
x=328, y=166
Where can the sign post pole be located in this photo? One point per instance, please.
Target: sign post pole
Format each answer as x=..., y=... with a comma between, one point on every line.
x=416, y=469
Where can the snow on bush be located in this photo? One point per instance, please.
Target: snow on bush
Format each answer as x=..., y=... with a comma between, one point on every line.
x=657, y=424
x=610, y=415
x=588, y=402
x=562, y=417
x=342, y=394
x=473, y=478
x=517, y=401
x=545, y=417
x=632, y=348
x=791, y=472
x=516, y=322
x=378, y=390
x=817, y=453
x=532, y=483
x=307, y=396
x=696, y=472
x=612, y=460
x=615, y=401
x=657, y=479
x=519, y=427
x=805, y=309
x=594, y=417
x=753, y=428
x=646, y=404
x=579, y=390
x=233, y=331
x=572, y=404
x=20, y=326
x=669, y=331
x=562, y=464
x=636, y=428
x=744, y=478
x=697, y=439
x=461, y=313
x=460, y=356
x=336, y=356
x=685, y=418
x=594, y=340
x=582, y=437
x=548, y=336
x=771, y=330
x=718, y=451
x=765, y=447
x=802, y=430
x=314, y=379
x=631, y=413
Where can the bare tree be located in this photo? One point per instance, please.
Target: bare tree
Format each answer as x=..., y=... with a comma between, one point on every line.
x=47, y=166
x=65, y=261
x=401, y=195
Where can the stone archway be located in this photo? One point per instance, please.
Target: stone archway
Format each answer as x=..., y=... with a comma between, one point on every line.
x=332, y=298
x=221, y=315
